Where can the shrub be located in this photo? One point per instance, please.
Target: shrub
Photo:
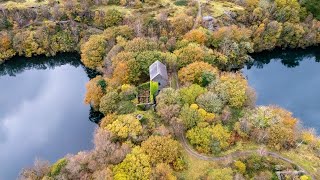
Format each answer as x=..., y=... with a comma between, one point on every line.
x=190, y=117
x=126, y=107
x=241, y=167
x=113, y=17
x=56, y=167
x=168, y=104
x=210, y=102
x=189, y=94
x=128, y=92
x=109, y=103
x=200, y=138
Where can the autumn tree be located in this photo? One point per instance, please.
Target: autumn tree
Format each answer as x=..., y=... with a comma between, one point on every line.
x=209, y=139
x=200, y=138
x=287, y=10
x=38, y=171
x=189, y=54
x=163, y=171
x=281, y=137
x=312, y=6
x=106, y=151
x=235, y=43
x=135, y=166
x=211, y=102
x=291, y=35
x=125, y=126
x=109, y=103
x=196, y=73
x=93, y=51
x=189, y=94
x=199, y=36
x=120, y=74
x=6, y=50
x=190, y=116
x=273, y=126
x=141, y=44
x=168, y=104
x=113, y=17
x=181, y=23
x=128, y=92
x=161, y=149
x=232, y=87
x=145, y=59
x=96, y=88
x=266, y=35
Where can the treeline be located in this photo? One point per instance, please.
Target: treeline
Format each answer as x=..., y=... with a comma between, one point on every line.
x=260, y=26
x=48, y=40
x=214, y=107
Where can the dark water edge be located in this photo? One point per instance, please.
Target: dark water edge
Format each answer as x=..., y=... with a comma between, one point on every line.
x=288, y=57
x=288, y=78
x=19, y=64
x=42, y=114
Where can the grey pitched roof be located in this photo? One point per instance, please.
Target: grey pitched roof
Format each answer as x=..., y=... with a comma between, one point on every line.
x=157, y=68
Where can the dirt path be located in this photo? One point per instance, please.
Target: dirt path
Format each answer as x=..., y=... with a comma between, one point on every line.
x=199, y=15
x=261, y=151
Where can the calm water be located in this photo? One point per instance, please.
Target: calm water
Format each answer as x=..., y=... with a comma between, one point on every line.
x=290, y=79
x=41, y=111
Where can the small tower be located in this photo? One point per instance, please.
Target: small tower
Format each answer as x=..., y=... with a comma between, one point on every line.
x=158, y=73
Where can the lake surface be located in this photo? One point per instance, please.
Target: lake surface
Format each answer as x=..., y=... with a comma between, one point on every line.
x=42, y=114
x=290, y=79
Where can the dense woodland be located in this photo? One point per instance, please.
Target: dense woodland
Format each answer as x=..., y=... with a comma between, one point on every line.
x=208, y=101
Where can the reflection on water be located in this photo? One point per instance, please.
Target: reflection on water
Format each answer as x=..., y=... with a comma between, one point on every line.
x=41, y=111
x=290, y=79
x=289, y=58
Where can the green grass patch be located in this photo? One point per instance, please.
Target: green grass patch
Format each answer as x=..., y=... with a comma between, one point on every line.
x=196, y=167
x=154, y=87
x=181, y=3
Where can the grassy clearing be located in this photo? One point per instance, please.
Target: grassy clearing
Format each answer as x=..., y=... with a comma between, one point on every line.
x=240, y=146
x=22, y=5
x=218, y=8
x=196, y=167
x=305, y=158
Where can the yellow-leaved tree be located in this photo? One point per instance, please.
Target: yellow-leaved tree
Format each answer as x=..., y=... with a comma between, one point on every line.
x=96, y=88
x=198, y=72
x=232, y=87
x=93, y=51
